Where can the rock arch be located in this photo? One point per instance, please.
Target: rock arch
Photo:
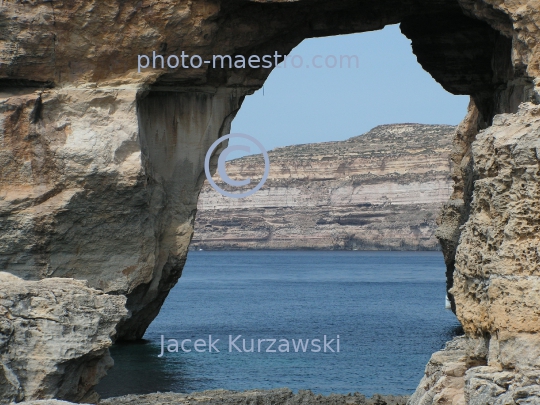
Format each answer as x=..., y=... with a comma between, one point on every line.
x=101, y=165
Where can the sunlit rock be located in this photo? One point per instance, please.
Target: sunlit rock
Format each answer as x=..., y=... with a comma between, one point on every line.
x=54, y=338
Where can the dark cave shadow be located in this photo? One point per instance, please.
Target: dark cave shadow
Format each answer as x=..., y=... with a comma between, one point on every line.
x=139, y=370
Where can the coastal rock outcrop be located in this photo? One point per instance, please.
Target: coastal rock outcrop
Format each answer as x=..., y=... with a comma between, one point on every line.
x=101, y=163
x=379, y=191
x=496, y=274
x=88, y=192
x=54, y=338
x=283, y=396
x=460, y=375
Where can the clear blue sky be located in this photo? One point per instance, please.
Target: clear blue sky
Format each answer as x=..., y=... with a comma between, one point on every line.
x=308, y=105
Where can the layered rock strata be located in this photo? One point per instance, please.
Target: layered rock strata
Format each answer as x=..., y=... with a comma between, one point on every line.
x=101, y=166
x=379, y=191
x=54, y=338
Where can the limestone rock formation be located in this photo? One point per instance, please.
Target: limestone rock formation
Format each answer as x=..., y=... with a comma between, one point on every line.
x=444, y=380
x=460, y=375
x=282, y=396
x=87, y=193
x=54, y=338
x=101, y=165
x=496, y=272
x=379, y=191
x=497, y=261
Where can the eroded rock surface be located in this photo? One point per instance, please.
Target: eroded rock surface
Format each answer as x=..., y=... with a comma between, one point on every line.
x=54, y=338
x=496, y=275
x=381, y=190
x=283, y=396
x=101, y=166
x=262, y=397
x=460, y=375
x=89, y=193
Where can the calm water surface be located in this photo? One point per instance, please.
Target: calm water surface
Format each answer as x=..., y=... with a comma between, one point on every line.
x=387, y=308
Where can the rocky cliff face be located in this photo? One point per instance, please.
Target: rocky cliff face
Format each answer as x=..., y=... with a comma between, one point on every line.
x=54, y=338
x=495, y=283
x=101, y=166
x=379, y=191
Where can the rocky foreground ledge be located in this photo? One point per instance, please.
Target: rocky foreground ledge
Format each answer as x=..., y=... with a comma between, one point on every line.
x=55, y=336
x=282, y=396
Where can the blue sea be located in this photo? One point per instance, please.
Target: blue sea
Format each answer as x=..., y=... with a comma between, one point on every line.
x=388, y=309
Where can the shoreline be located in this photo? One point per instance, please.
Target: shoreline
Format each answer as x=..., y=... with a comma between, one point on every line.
x=280, y=396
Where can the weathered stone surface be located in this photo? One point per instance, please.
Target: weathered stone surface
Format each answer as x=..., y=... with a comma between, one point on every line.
x=496, y=271
x=88, y=193
x=459, y=375
x=444, y=379
x=54, y=338
x=381, y=190
x=282, y=396
x=100, y=166
x=497, y=261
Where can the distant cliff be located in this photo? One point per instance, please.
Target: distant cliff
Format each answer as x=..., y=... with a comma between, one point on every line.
x=379, y=191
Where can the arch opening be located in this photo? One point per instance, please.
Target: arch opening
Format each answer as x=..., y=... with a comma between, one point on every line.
x=465, y=55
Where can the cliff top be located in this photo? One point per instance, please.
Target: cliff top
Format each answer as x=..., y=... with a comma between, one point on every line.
x=392, y=139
